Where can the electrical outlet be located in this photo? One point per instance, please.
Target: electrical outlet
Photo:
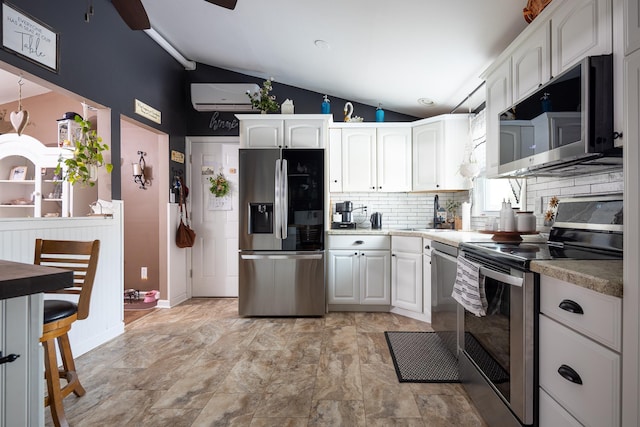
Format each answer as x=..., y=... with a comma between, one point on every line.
x=143, y=273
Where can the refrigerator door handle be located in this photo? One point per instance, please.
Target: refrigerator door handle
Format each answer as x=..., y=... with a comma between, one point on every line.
x=278, y=200
x=285, y=199
x=283, y=256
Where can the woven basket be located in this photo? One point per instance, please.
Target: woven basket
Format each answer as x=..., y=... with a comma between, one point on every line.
x=533, y=9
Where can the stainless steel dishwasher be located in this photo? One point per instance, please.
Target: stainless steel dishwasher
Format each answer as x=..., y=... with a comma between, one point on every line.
x=444, y=309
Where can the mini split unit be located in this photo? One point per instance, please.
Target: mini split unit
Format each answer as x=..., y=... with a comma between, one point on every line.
x=222, y=96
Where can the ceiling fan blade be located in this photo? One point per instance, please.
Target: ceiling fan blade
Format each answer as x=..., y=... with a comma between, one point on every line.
x=133, y=13
x=228, y=4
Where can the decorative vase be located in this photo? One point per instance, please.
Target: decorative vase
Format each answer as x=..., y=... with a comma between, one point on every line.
x=93, y=173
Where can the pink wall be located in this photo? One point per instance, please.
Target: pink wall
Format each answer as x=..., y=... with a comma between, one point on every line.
x=141, y=218
x=44, y=110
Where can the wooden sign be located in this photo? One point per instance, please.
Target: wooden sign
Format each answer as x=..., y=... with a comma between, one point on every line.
x=29, y=38
x=148, y=112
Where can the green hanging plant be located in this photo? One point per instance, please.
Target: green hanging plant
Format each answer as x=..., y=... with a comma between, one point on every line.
x=219, y=185
x=87, y=157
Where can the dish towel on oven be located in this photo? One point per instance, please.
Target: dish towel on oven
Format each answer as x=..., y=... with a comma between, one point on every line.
x=468, y=288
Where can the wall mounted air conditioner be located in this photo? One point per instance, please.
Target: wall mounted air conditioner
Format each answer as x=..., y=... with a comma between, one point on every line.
x=222, y=96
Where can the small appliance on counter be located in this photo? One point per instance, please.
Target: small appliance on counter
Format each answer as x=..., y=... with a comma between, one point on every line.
x=376, y=221
x=343, y=218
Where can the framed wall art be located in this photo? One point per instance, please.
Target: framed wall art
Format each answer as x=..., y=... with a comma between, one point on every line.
x=18, y=173
x=29, y=38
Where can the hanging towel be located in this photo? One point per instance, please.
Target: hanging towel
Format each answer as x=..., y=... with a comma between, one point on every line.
x=468, y=288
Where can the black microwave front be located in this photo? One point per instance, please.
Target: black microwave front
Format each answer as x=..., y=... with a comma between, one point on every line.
x=565, y=127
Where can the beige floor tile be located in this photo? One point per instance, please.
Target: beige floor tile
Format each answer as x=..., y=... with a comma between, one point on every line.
x=199, y=364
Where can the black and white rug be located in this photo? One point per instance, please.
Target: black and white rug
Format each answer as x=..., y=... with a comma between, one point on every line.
x=423, y=357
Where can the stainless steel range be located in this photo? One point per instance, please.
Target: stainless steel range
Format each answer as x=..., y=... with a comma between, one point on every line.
x=500, y=375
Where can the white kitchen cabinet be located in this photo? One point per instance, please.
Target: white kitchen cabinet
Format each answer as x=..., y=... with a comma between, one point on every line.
x=21, y=403
x=393, y=159
x=499, y=97
x=580, y=28
x=565, y=32
x=631, y=18
x=426, y=279
x=335, y=160
x=438, y=151
x=283, y=131
x=376, y=159
x=579, y=355
x=531, y=63
x=358, y=270
x=359, y=159
x=406, y=273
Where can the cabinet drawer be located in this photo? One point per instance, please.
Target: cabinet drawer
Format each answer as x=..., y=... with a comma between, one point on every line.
x=358, y=241
x=552, y=414
x=602, y=314
x=406, y=244
x=596, y=401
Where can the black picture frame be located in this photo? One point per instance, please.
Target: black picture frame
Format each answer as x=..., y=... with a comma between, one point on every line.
x=29, y=38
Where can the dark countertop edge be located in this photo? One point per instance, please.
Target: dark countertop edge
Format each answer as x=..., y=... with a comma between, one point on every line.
x=602, y=276
x=26, y=279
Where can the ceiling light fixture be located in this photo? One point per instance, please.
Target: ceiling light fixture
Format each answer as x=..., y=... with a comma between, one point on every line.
x=321, y=44
x=426, y=101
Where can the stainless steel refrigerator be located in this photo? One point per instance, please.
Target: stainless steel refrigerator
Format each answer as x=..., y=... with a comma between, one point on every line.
x=281, y=239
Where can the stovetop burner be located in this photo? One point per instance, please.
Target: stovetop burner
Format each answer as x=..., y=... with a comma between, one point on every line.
x=587, y=228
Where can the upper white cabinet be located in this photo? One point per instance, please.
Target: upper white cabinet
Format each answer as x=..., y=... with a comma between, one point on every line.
x=283, y=131
x=359, y=159
x=531, y=63
x=438, y=150
x=335, y=160
x=580, y=28
x=565, y=32
x=376, y=159
x=393, y=159
x=631, y=26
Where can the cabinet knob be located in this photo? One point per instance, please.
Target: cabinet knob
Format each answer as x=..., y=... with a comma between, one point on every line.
x=355, y=253
x=427, y=247
x=335, y=180
x=373, y=188
x=380, y=188
x=569, y=374
x=359, y=242
x=571, y=306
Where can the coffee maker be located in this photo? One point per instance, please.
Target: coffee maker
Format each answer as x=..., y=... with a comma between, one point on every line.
x=343, y=219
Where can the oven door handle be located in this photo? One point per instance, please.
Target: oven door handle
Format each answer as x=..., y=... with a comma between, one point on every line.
x=501, y=277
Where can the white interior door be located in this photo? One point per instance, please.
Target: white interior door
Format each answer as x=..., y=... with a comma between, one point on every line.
x=215, y=220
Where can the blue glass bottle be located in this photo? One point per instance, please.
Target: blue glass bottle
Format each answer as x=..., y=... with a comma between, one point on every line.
x=379, y=113
x=546, y=102
x=326, y=106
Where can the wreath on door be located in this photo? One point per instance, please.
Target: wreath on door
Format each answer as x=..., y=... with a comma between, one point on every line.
x=219, y=185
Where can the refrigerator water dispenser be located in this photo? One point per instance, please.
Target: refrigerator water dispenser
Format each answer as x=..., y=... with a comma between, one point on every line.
x=260, y=218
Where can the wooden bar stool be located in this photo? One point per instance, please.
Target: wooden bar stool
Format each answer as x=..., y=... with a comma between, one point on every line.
x=82, y=258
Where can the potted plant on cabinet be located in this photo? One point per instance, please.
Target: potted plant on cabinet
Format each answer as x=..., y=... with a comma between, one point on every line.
x=86, y=158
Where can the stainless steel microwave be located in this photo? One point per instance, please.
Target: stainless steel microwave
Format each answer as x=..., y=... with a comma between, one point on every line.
x=564, y=128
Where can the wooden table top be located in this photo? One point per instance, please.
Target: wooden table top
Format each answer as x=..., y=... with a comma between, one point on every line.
x=19, y=279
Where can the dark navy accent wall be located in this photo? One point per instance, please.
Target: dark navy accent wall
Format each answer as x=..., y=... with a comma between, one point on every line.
x=108, y=63
x=304, y=101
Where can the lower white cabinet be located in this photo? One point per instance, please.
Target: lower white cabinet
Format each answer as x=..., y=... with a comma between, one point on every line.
x=579, y=365
x=21, y=401
x=406, y=273
x=359, y=270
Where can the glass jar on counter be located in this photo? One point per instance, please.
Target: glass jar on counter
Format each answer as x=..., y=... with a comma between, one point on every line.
x=525, y=221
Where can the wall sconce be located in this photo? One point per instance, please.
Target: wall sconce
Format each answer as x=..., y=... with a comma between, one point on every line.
x=138, y=171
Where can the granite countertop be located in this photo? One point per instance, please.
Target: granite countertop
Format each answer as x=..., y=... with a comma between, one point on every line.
x=603, y=276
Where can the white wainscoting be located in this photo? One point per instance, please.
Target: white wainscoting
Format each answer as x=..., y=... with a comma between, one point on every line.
x=178, y=265
x=105, y=321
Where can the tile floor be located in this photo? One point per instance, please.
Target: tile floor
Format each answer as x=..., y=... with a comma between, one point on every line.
x=199, y=364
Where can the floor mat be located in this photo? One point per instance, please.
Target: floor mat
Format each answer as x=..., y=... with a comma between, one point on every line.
x=422, y=357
